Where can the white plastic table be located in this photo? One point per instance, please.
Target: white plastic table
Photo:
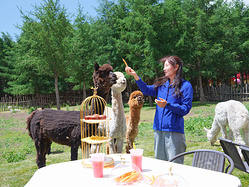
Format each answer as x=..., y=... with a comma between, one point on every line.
x=73, y=173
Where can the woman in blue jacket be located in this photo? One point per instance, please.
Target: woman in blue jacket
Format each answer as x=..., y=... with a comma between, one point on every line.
x=174, y=100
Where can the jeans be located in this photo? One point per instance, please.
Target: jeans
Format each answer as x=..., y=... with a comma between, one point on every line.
x=168, y=144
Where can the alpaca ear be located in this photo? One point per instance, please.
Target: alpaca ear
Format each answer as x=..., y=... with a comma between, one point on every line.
x=206, y=129
x=109, y=62
x=96, y=66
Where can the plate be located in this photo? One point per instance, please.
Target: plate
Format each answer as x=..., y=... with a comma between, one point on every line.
x=96, y=120
x=92, y=141
x=173, y=180
x=108, y=161
x=121, y=171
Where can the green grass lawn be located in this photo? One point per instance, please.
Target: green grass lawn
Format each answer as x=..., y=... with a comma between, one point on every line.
x=17, y=151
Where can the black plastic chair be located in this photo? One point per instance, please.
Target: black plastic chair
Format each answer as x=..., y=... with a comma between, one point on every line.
x=245, y=152
x=230, y=148
x=209, y=159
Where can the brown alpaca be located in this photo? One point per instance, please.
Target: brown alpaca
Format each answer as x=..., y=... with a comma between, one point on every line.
x=136, y=102
x=63, y=127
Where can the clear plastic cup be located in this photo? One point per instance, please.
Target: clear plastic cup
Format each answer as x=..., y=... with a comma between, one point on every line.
x=136, y=157
x=97, y=160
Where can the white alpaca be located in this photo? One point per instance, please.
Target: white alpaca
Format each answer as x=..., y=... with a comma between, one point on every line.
x=118, y=122
x=234, y=115
x=13, y=111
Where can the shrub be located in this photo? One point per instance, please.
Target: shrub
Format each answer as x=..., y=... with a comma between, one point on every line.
x=31, y=109
x=12, y=156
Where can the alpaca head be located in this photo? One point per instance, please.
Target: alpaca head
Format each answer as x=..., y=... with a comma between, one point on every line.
x=121, y=83
x=211, y=136
x=103, y=78
x=136, y=99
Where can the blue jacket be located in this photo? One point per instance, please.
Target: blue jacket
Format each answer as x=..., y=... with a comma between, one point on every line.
x=170, y=118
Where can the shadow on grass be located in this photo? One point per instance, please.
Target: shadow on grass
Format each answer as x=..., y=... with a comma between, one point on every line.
x=56, y=152
x=205, y=103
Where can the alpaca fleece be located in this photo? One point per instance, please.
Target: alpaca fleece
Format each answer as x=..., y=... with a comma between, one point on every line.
x=232, y=114
x=136, y=102
x=118, y=122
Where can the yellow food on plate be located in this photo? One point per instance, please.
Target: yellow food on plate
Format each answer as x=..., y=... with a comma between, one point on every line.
x=128, y=177
x=152, y=178
x=95, y=138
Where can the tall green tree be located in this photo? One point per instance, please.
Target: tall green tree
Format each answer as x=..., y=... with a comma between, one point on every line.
x=24, y=76
x=103, y=33
x=222, y=55
x=81, y=70
x=136, y=36
x=203, y=44
x=238, y=32
x=49, y=34
x=6, y=45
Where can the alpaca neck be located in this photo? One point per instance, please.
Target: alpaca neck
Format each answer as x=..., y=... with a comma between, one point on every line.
x=117, y=103
x=215, y=128
x=102, y=92
x=134, y=115
x=135, y=111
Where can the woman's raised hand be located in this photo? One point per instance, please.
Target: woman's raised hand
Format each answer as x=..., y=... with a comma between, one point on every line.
x=130, y=71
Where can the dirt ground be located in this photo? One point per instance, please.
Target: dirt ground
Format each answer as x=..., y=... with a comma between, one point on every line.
x=22, y=116
x=18, y=115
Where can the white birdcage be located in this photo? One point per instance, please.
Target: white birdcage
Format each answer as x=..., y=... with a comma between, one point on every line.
x=95, y=134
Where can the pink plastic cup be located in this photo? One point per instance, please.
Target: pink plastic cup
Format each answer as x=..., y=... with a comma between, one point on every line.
x=136, y=157
x=97, y=160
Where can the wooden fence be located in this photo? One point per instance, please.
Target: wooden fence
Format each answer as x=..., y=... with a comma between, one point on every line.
x=225, y=92
x=211, y=93
x=48, y=100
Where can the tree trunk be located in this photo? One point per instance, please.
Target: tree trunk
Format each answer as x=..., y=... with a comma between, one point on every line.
x=57, y=93
x=129, y=88
x=242, y=79
x=84, y=90
x=150, y=101
x=202, y=99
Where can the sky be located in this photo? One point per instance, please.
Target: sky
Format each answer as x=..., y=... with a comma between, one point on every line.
x=10, y=15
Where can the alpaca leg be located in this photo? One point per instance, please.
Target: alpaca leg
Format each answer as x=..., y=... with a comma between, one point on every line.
x=224, y=131
x=74, y=149
x=49, y=148
x=112, y=147
x=237, y=136
x=48, y=143
x=127, y=148
x=213, y=132
x=230, y=135
x=86, y=150
x=129, y=145
x=93, y=148
x=245, y=133
x=108, y=148
x=132, y=142
x=238, y=139
x=40, y=153
x=120, y=143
